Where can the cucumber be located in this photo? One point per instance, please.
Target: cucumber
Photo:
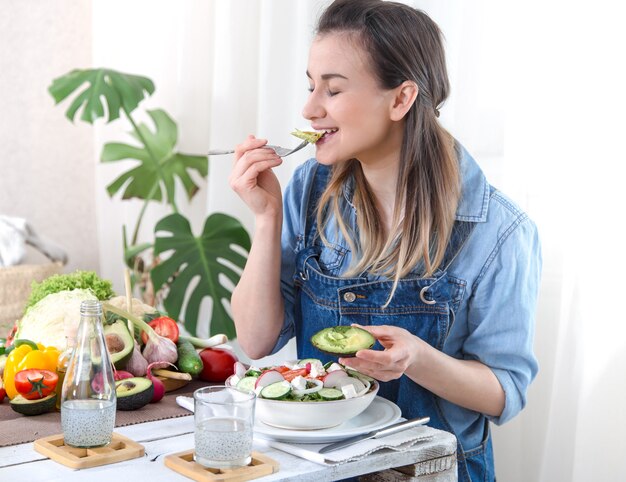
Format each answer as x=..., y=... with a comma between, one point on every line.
x=309, y=360
x=246, y=384
x=330, y=394
x=355, y=374
x=276, y=391
x=188, y=359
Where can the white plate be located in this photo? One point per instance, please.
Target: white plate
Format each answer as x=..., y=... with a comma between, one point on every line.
x=380, y=413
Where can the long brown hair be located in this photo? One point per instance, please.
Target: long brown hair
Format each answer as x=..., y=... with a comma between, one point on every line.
x=403, y=44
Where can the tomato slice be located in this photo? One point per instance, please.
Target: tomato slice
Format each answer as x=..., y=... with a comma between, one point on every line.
x=33, y=384
x=164, y=326
x=291, y=374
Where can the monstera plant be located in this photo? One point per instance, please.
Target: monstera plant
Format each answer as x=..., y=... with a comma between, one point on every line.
x=175, y=256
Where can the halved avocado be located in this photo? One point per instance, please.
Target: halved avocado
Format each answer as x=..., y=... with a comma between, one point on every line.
x=119, y=343
x=342, y=340
x=34, y=407
x=133, y=393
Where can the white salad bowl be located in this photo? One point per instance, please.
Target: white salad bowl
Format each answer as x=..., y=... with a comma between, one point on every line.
x=315, y=415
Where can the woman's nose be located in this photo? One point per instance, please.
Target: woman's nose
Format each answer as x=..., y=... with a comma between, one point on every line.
x=312, y=108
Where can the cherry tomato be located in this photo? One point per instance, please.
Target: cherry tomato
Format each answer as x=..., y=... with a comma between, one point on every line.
x=164, y=326
x=291, y=374
x=33, y=383
x=218, y=364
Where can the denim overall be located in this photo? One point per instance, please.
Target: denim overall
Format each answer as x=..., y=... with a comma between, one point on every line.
x=422, y=306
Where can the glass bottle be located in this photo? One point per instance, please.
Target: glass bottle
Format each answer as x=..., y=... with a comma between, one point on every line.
x=88, y=398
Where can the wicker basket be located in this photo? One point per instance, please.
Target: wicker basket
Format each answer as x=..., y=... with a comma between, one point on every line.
x=15, y=287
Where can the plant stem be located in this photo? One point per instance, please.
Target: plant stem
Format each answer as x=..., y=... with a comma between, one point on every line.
x=130, y=317
x=141, y=213
x=156, y=186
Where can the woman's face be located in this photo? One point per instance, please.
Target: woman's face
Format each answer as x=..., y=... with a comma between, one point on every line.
x=346, y=100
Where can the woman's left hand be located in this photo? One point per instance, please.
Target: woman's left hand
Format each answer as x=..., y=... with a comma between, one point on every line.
x=402, y=349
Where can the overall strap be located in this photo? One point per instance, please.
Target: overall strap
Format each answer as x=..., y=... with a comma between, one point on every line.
x=321, y=176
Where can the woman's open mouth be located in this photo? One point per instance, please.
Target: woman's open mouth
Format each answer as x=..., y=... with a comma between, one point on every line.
x=328, y=135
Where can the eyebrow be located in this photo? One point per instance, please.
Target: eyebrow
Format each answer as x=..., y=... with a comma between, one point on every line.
x=328, y=76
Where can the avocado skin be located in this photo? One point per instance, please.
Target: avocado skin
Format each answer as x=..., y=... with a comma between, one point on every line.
x=119, y=330
x=33, y=407
x=135, y=397
x=346, y=340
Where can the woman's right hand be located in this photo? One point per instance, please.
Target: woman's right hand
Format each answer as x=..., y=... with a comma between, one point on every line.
x=252, y=177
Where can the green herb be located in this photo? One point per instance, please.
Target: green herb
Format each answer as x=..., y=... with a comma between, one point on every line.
x=86, y=280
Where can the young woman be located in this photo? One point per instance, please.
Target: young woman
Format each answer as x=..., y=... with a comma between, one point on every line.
x=393, y=227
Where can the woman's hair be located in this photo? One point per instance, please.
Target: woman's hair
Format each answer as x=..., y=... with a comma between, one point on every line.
x=402, y=44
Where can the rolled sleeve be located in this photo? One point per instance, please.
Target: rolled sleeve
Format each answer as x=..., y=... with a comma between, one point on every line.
x=501, y=315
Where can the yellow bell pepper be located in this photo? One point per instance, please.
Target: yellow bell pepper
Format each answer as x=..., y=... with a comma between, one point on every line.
x=37, y=359
x=53, y=356
x=11, y=368
x=24, y=358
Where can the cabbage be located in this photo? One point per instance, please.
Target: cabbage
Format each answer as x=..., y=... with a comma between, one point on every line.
x=48, y=320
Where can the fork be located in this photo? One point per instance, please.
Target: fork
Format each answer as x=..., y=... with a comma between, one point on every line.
x=281, y=151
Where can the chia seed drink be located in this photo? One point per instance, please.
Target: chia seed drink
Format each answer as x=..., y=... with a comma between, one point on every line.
x=87, y=423
x=223, y=442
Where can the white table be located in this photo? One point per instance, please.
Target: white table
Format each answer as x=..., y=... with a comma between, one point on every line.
x=435, y=460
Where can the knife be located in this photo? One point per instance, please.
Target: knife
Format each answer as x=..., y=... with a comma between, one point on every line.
x=396, y=427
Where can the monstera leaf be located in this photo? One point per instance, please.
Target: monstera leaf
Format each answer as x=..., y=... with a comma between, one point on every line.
x=204, y=258
x=119, y=90
x=159, y=164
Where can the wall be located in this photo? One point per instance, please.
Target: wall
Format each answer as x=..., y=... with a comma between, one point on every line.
x=46, y=163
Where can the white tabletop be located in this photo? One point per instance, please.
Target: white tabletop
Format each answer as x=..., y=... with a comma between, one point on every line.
x=169, y=436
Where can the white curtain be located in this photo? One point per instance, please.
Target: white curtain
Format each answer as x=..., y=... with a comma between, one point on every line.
x=536, y=97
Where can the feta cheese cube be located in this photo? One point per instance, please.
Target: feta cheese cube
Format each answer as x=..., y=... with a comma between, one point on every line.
x=317, y=369
x=334, y=367
x=348, y=391
x=299, y=383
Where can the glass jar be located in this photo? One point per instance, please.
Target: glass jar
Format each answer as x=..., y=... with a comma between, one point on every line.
x=88, y=398
x=62, y=362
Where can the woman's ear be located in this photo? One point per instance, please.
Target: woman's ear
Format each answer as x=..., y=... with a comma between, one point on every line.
x=404, y=98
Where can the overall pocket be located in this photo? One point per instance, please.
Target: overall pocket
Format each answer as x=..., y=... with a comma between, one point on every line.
x=479, y=461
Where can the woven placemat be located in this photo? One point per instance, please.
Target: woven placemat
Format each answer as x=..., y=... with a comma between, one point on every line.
x=18, y=429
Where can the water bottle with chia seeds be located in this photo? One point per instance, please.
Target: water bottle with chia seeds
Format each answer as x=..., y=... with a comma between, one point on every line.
x=88, y=398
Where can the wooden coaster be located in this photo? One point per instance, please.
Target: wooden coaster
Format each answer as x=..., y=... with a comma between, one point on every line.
x=184, y=464
x=120, y=448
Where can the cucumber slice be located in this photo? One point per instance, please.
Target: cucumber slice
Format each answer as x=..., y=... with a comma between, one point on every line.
x=276, y=391
x=246, y=384
x=304, y=361
x=354, y=373
x=330, y=394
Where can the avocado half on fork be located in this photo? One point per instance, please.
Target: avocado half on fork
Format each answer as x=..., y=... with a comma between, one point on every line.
x=342, y=340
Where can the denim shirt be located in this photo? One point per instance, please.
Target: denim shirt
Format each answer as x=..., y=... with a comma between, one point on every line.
x=499, y=266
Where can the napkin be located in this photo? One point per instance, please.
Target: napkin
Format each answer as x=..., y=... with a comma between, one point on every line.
x=185, y=402
x=402, y=441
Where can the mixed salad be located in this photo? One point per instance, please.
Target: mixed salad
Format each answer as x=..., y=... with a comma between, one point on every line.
x=306, y=380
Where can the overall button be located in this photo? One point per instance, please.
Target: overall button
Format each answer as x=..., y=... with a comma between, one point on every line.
x=349, y=296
